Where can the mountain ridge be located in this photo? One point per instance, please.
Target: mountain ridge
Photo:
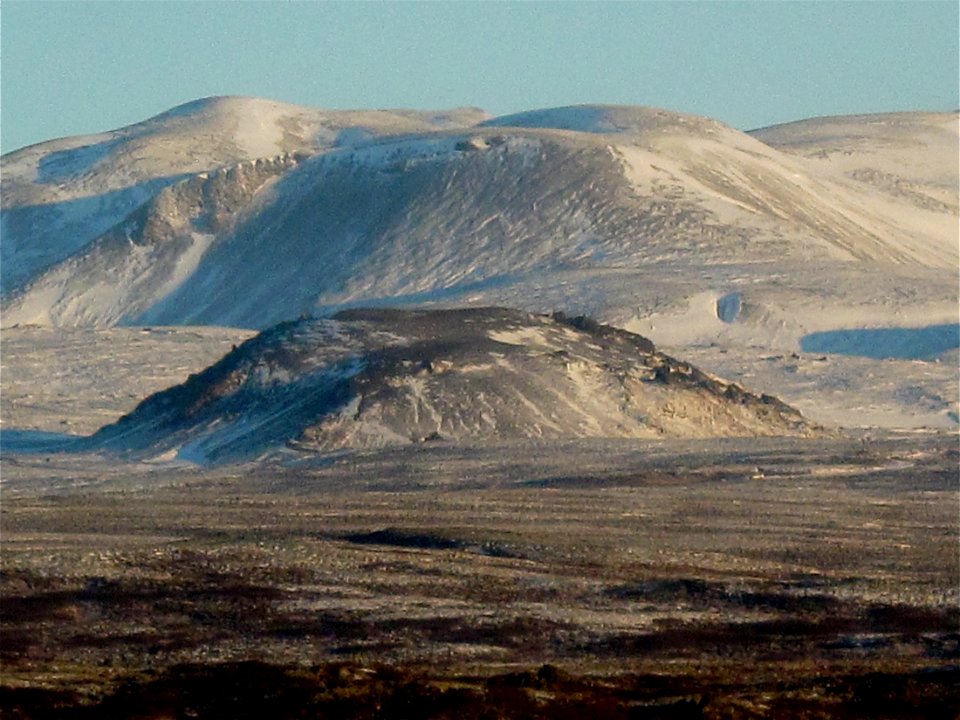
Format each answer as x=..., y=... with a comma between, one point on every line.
x=66, y=192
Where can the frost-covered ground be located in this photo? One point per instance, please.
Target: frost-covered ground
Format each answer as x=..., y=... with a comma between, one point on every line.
x=75, y=381
x=721, y=578
x=840, y=390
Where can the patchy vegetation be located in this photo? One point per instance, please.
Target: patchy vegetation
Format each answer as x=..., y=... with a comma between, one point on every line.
x=348, y=691
x=760, y=578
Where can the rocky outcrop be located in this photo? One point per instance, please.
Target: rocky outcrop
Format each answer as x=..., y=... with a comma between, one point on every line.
x=373, y=378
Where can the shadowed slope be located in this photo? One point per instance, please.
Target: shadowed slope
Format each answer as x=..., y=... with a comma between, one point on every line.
x=61, y=194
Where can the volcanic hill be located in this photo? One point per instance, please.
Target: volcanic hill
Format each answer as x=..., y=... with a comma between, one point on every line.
x=373, y=378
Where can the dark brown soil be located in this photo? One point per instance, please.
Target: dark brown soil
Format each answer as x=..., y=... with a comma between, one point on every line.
x=425, y=584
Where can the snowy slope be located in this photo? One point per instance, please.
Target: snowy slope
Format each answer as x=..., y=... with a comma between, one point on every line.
x=915, y=147
x=372, y=378
x=903, y=165
x=674, y=226
x=147, y=256
x=59, y=195
x=505, y=208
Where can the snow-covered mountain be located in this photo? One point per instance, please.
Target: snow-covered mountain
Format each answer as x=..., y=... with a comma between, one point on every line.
x=243, y=212
x=371, y=378
x=60, y=195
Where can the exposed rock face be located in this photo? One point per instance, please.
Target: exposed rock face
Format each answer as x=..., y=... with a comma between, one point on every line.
x=371, y=378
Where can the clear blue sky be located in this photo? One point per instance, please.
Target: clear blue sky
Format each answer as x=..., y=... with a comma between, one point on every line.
x=68, y=68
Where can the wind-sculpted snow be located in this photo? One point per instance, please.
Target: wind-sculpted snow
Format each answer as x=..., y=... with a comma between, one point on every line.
x=372, y=378
x=903, y=164
x=918, y=147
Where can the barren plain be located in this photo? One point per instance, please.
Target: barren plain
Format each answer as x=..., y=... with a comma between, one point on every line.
x=711, y=578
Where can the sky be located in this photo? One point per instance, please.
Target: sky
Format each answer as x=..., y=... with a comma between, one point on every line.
x=70, y=68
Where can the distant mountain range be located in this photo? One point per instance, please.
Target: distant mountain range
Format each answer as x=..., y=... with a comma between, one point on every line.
x=246, y=212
